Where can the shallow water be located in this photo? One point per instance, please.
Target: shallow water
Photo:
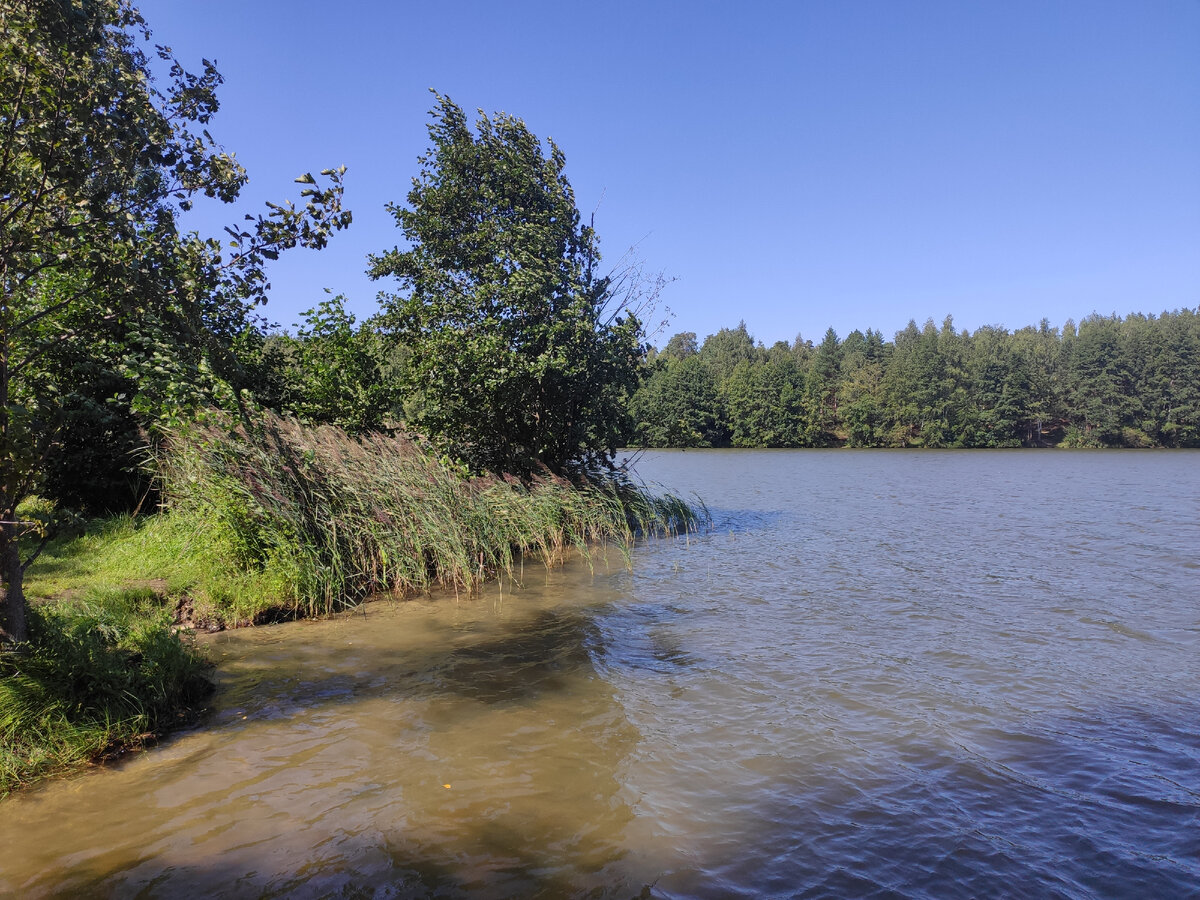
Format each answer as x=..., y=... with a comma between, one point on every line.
x=879, y=674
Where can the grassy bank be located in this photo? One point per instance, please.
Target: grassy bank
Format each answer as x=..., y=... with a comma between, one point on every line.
x=263, y=522
x=95, y=679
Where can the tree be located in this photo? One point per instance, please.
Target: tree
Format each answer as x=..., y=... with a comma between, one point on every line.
x=1174, y=378
x=681, y=346
x=823, y=382
x=1098, y=381
x=677, y=405
x=1038, y=354
x=723, y=351
x=339, y=374
x=765, y=403
x=920, y=388
x=997, y=414
x=521, y=356
x=96, y=164
x=95, y=463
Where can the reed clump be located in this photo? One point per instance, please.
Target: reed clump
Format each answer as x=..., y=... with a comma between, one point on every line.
x=329, y=518
x=267, y=519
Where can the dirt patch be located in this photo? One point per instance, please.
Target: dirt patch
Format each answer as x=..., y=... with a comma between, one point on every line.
x=187, y=620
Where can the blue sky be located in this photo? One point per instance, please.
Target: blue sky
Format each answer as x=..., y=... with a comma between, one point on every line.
x=798, y=165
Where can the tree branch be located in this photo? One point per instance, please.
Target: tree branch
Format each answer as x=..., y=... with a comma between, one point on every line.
x=38, y=552
x=49, y=310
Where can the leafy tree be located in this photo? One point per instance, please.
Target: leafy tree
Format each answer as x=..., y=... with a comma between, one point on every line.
x=747, y=406
x=824, y=376
x=677, y=405
x=996, y=415
x=803, y=351
x=900, y=386
x=724, y=350
x=862, y=404
x=339, y=374
x=1173, y=378
x=1099, y=382
x=95, y=463
x=954, y=347
x=1038, y=355
x=1131, y=382
x=861, y=389
x=920, y=388
x=765, y=404
x=1161, y=354
x=96, y=163
x=521, y=356
x=682, y=345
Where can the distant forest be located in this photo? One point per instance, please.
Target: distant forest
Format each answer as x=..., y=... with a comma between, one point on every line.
x=1108, y=382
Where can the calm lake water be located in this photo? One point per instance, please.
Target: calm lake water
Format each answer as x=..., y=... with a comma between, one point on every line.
x=883, y=674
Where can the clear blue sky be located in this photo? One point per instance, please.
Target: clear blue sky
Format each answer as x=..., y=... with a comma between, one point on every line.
x=798, y=165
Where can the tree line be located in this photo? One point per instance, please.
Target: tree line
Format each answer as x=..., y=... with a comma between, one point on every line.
x=1106, y=382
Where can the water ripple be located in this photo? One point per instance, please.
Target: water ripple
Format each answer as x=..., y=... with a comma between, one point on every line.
x=877, y=675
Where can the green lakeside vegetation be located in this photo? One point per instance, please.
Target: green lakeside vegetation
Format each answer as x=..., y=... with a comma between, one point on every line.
x=167, y=459
x=264, y=524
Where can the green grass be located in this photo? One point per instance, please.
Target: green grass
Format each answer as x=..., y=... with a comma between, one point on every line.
x=325, y=519
x=166, y=556
x=95, y=679
x=111, y=554
x=283, y=521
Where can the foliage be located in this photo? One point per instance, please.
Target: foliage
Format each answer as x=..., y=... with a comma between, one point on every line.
x=95, y=679
x=96, y=164
x=677, y=405
x=724, y=351
x=681, y=346
x=339, y=374
x=766, y=403
x=98, y=444
x=521, y=356
x=1110, y=382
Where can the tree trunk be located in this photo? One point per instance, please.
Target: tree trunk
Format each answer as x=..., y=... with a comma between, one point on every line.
x=13, y=628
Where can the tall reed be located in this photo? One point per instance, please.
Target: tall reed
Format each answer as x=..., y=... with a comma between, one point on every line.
x=336, y=518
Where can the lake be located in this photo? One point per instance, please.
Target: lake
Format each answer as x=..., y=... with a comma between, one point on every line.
x=879, y=673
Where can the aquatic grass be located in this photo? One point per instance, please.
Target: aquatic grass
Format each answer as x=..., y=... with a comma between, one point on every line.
x=94, y=680
x=330, y=519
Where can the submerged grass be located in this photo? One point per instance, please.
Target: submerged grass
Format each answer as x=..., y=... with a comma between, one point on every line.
x=326, y=519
